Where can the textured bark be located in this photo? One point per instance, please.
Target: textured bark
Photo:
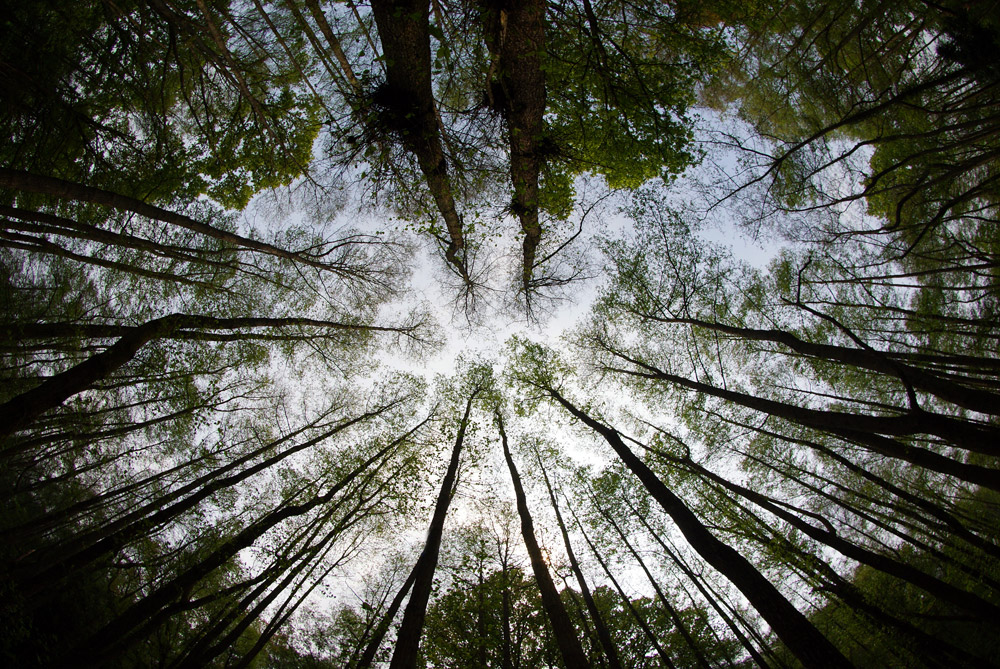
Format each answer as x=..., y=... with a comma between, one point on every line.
x=515, y=36
x=403, y=28
x=562, y=628
x=788, y=623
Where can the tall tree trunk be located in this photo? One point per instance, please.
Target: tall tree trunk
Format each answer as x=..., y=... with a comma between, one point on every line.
x=603, y=635
x=515, y=36
x=650, y=634
x=403, y=28
x=151, y=606
x=86, y=547
x=793, y=628
x=828, y=537
x=969, y=435
x=20, y=411
x=368, y=655
x=983, y=401
x=671, y=611
x=67, y=190
x=562, y=628
x=404, y=655
x=863, y=430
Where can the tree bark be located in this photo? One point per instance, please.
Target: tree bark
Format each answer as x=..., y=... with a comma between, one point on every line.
x=515, y=36
x=403, y=28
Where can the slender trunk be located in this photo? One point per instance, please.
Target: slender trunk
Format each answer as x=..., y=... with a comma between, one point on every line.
x=930, y=584
x=603, y=635
x=66, y=190
x=505, y=659
x=368, y=656
x=150, y=607
x=710, y=597
x=79, y=551
x=20, y=411
x=970, y=398
x=976, y=437
x=331, y=38
x=404, y=655
x=671, y=611
x=861, y=429
x=788, y=623
x=562, y=628
x=650, y=634
x=185, y=326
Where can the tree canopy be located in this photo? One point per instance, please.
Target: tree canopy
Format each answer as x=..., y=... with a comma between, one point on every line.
x=239, y=241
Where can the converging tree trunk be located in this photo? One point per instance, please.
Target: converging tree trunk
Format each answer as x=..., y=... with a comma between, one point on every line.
x=404, y=655
x=562, y=628
x=793, y=628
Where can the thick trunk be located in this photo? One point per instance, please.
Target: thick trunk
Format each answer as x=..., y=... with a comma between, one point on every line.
x=516, y=39
x=403, y=28
x=562, y=628
x=788, y=623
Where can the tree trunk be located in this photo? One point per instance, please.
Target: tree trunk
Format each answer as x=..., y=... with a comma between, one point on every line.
x=603, y=635
x=793, y=628
x=66, y=190
x=650, y=634
x=404, y=655
x=368, y=656
x=562, y=628
x=403, y=28
x=671, y=611
x=20, y=411
x=515, y=36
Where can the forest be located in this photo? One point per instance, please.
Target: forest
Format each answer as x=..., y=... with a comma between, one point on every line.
x=241, y=238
